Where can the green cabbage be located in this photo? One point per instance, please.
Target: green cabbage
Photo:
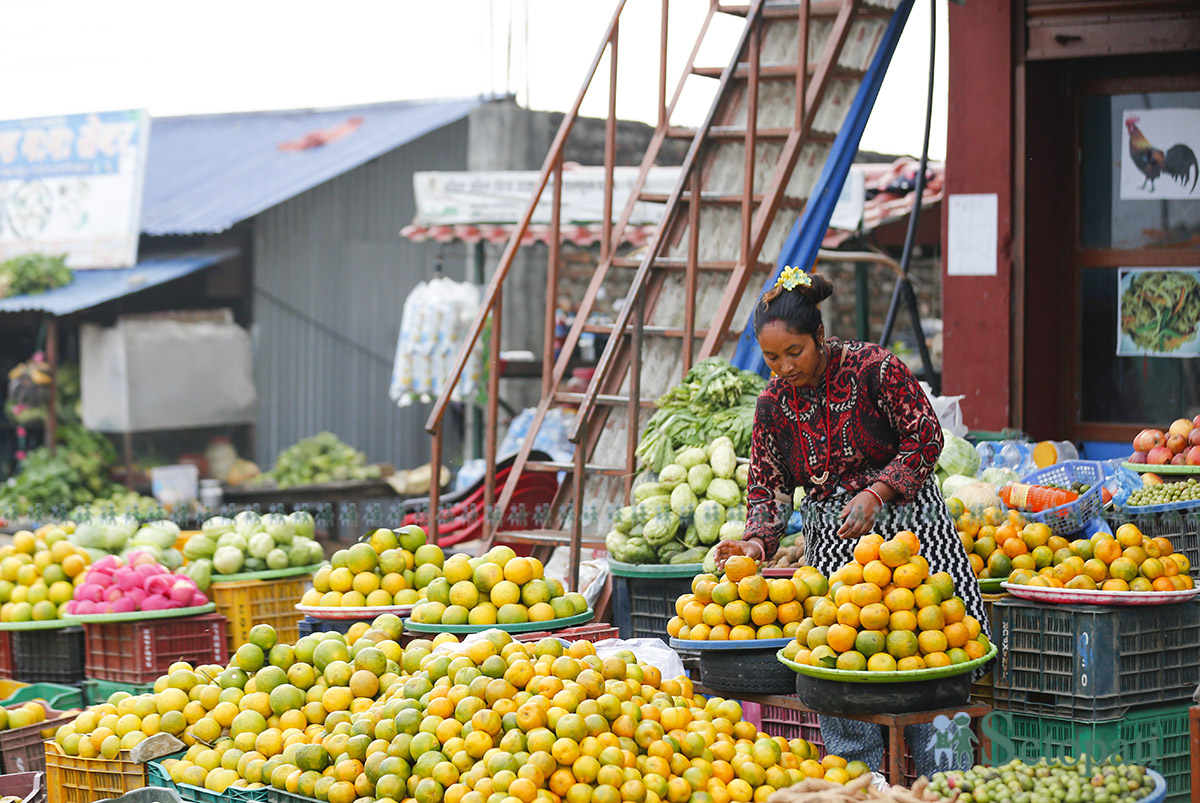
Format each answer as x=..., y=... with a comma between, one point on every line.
x=958, y=456
x=954, y=482
x=1000, y=476
x=171, y=558
x=228, y=560
x=297, y=552
x=162, y=534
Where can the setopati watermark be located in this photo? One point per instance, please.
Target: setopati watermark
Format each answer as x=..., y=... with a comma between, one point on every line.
x=1005, y=736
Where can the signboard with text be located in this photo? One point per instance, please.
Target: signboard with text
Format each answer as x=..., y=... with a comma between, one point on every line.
x=73, y=185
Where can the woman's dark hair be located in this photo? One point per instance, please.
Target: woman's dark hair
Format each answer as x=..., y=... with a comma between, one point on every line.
x=796, y=308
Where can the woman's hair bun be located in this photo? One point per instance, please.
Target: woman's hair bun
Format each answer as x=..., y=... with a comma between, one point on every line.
x=819, y=290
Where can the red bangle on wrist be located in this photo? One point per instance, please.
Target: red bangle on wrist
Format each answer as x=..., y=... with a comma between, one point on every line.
x=875, y=494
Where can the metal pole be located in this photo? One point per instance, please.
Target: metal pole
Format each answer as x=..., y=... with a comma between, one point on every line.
x=52, y=361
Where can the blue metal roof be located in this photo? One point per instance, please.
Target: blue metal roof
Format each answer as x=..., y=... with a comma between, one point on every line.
x=206, y=173
x=96, y=286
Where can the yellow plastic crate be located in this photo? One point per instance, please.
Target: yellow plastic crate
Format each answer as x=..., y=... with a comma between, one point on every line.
x=261, y=602
x=71, y=779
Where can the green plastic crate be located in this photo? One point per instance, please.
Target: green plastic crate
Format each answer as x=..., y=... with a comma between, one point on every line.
x=98, y=691
x=1157, y=738
x=58, y=696
x=156, y=775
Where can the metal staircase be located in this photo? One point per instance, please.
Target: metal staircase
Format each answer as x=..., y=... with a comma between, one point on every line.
x=748, y=171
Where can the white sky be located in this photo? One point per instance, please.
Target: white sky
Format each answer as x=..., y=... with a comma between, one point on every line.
x=234, y=55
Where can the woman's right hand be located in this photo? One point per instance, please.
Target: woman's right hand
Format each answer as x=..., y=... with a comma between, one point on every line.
x=727, y=549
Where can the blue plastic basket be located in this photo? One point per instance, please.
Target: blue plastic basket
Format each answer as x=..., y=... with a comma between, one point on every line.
x=1130, y=481
x=1074, y=516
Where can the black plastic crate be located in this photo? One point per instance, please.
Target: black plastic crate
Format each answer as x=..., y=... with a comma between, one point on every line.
x=49, y=656
x=1093, y=663
x=642, y=606
x=308, y=625
x=1180, y=527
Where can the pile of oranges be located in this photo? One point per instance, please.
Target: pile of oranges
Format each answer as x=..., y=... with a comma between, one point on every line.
x=884, y=612
x=1124, y=561
x=743, y=605
x=998, y=542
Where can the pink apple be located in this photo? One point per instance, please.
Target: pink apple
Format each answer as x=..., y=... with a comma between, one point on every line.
x=1196, y=421
x=1151, y=479
x=1179, y=460
x=1180, y=426
x=1193, y=456
x=1176, y=443
x=1147, y=439
x=1194, y=437
x=1138, y=457
x=1159, y=456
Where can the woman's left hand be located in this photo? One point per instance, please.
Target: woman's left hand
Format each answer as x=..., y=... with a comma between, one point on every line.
x=858, y=517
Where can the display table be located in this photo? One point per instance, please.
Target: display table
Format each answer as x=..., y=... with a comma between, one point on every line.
x=895, y=748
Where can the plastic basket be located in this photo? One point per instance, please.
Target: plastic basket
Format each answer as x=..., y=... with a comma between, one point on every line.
x=1157, y=738
x=30, y=787
x=140, y=652
x=157, y=775
x=7, y=666
x=57, y=696
x=281, y=796
x=260, y=602
x=50, y=656
x=150, y=794
x=1130, y=481
x=72, y=779
x=21, y=748
x=98, y=691
x=1092, y=663
x=1181, y=528
x=1073, y=516
x=642, y=606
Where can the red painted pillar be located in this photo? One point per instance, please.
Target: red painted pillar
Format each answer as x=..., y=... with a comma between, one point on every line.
x=979, y=147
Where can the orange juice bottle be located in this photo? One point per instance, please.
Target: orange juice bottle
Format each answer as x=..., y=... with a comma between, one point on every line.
x=1035, y=498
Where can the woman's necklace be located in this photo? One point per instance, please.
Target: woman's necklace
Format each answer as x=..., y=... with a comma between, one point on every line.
x=823, y=477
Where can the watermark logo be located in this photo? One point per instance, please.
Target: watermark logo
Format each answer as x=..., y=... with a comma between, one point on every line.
x=952, y=743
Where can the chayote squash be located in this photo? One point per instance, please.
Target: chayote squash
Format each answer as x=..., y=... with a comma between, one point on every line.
x=724, y=491
x=683, y=500
x=651, y=507
x=624, y=519
x=671, y=476
x=646, y=490
x=614, y=542
x=637, y=550
x=693, y=555
x=723, y=461
x=699, y=477
x=709, y=517
x=732, y=531
x=735, y=513
x=661, y=528
x=724, y=440
x=692, y=456
x=691, y=537
x=670, y=550
x=741, y=475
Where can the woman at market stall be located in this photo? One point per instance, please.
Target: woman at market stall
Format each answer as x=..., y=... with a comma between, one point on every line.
x=849, y=423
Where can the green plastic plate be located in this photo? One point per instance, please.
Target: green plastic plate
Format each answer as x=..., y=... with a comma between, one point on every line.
x=1146, y=468
x=270, y=574
x=522, y=627
x=850, y=676
x=139, y=616
x=992, y=584
x=50, y=624
x=654, y=569
x=725, y=646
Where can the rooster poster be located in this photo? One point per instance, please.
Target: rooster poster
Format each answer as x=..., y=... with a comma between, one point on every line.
x=1159, y=148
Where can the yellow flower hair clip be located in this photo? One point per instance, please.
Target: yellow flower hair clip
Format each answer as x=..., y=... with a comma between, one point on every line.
x=791, y=278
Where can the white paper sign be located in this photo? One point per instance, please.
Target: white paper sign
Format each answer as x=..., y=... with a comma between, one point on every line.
x=971, y=241
x=1158, y=155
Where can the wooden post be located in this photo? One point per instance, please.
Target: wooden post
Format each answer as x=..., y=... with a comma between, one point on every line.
x=52, y=361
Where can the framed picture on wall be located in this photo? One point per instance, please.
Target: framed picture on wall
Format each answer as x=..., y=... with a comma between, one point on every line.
x=1158, y=154
x=1158, y=312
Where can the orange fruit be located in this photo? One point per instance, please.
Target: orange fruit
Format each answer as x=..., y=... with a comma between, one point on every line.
x=864, y=594
x=1123, y=569
x=902, y=644
x=1151, y=568
x=975, y=649
x=841, y=637
x=870, y=642
x=1006, y=532
x=954, y=609
x=973, y=627
x=1163, y=584
x=874, y=616
x=900, y=599
x=910, y=663
x=910, y=539
x=1181, y=561
x=780, y=591
x=764, y=613
x=956, y=634
x=1106, y=549
x=910, y=575
x=925, y=595
x=1114, y=584
x=931, y=618
x=934, y=660
x=1082, y=581
x=1096, y=569
x=1064, y=572
x=902, y=620
x=894, y=553
x=877, y=573
x=1035, y=534
x=1164, y=546
x=849, y=614
x=740, y=567
x=867, y=548
x=1128, y=535
x=882, y=662
x=1014, y=547
x=752, y=589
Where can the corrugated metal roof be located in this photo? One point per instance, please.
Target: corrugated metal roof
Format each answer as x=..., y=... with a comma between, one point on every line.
x=206, y=173
x=93, y=287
